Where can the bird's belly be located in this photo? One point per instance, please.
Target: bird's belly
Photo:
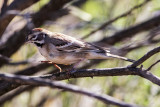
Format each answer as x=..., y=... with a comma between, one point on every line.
x=66, y=60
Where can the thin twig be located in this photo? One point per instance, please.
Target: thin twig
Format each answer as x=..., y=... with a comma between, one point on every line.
x=15, y=5
x=60, y=85
x=19, y=63
x=116, y=18
x=131, y=31
x=145, y=57
x=153, y=65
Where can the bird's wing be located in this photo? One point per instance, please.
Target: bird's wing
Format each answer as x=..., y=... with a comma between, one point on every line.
x=69, y=44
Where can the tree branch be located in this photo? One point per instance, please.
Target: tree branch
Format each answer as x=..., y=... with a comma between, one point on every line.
x=153, y=65
x=149, y=76
x=8, y=86
x=15, y=5
x=145, y=57
x=14, y=93
x=60, y=85
x=116, y=18
x=119, y=71
x=131, y=31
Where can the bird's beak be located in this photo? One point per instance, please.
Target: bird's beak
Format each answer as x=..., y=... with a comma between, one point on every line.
x=28, y=37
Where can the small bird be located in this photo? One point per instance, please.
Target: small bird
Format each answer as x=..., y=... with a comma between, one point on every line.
x=59, y=48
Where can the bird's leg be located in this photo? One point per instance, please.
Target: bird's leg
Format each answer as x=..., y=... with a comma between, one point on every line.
x=49, y=62
x=60, y=70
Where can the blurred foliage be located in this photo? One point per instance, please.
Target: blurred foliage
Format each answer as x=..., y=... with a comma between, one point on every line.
x=131, y=89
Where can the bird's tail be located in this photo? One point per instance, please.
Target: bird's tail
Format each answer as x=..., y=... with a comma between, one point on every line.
x=119, y=57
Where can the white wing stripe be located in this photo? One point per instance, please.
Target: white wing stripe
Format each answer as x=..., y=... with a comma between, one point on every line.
x=64, y=46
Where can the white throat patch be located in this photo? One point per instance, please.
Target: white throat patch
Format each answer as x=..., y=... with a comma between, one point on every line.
x=40, y=42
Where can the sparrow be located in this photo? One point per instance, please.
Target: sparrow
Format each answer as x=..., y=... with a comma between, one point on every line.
x=59, y=48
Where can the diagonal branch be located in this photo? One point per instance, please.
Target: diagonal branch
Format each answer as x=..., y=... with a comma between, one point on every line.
x=14, y=93
x=131, y=31
x=145, y=57
x=149, y=76
x=8, y=86
x=153, y=65
x=15, y=5
x=116, y=18
x=60, y=85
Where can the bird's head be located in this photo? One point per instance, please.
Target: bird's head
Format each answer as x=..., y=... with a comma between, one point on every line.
x=37, y=36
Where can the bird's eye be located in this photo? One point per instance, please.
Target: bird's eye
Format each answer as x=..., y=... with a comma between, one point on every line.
x=41, y=36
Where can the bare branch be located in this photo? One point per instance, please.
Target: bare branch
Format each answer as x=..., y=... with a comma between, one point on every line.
x=14, y=93
x=145, y=57
x=92, y=73
x=105, y=72
x=8, y=86
x=131, y=31
x=15, y=5
x=119, y=71
x=19, y=63
x=60, y=85
x=149, y=76
x=116, y=18
x=54, y=5
x=153, y=65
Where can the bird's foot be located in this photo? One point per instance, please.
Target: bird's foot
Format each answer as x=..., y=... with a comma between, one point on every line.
x=60, y=70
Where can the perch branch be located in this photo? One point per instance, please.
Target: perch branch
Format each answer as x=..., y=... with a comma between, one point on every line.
x=119, y=71
x=60, y=85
